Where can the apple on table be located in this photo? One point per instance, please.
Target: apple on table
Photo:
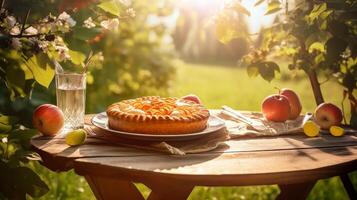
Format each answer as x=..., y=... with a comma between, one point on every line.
x=294, y=102
x=276, y=108
x=48, y=119
x=327, y=115
x=192, y=97
x=281, y=107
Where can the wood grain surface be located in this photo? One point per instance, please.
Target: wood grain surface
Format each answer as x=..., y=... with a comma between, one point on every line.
x=252, y=161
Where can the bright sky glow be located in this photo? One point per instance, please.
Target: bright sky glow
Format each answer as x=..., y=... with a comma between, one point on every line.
x=255, y=21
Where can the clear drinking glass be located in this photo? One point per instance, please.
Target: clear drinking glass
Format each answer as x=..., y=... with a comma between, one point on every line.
x=71, y=97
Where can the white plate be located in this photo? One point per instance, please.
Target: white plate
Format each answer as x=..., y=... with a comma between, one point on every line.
x=213, y=124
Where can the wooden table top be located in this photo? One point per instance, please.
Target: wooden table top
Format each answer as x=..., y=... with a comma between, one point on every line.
x=255, y=161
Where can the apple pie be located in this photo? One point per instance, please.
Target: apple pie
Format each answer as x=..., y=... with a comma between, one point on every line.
x=157, y=115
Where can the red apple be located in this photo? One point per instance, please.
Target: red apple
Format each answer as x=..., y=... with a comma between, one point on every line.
x=294, y=101
x=48, y=119
x=327, y=115
x=276, y=108
x=192, y=97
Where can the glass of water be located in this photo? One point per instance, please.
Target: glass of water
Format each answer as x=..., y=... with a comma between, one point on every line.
x=71, y=97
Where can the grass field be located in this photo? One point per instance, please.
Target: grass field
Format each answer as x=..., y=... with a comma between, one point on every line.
x=217, y=86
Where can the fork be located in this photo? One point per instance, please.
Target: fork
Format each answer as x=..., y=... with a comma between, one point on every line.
x=259, y=126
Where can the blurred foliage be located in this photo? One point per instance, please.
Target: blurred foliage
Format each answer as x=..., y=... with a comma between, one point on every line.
x=318, y=36
x=195, y=35
x=136, y=61
x=131, y=57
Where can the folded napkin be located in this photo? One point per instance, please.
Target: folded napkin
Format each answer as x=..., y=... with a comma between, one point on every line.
x=238, y=129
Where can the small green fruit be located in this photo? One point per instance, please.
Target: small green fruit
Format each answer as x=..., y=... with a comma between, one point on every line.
x=76, y=137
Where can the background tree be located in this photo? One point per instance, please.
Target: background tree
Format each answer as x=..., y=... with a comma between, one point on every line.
x=320, y=37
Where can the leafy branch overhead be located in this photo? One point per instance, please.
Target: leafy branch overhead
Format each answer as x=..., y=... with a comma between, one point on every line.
x=315, y=35
x=40, y=43
x=30, y=47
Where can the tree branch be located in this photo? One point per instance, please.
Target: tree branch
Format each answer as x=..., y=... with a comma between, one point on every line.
x=25, y=21
x=2, y=4
x=27, y=36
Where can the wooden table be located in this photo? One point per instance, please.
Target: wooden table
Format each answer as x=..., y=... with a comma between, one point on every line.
x=294, y=162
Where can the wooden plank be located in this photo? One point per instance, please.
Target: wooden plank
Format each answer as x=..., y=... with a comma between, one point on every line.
x=288, y=142
x=96, y=148
x=242, y=168
x=91, y=148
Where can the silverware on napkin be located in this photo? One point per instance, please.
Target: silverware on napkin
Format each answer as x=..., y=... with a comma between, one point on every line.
x=236, y=115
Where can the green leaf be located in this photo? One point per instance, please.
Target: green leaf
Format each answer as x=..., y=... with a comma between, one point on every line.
x=85, y=34
x=27, y=72
x=111, y=7
x=339, y=29
x=334, y=48
x=22, y=135
x=239, y=8
x=349, y=81
x=259, y=2
x=4, y=128
x=77, y=57
x=325, y=14
x=15, y=77
x=319, y=59
x=273, y=7
x=252, y=70
x=317, y=46
x=316, y=11
x=267, y=70
x=29, y=182
x=6, y=122
x=41, y=68
x=316, y=36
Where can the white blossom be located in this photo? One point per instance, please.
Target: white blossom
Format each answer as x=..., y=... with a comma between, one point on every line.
x=130, y=12
x=11, y=21
x=43, y=45
x=88, y=23
x=15, y=30
x=110, y=24
x=62, y=53
x=100, y=56
x=63, y=16
x=62, y=49
x=4, y=140
x=31, y=31
x=15, y=43
x=67, y=18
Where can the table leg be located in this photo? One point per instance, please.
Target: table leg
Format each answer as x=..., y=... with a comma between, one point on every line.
x=105, y=188
x=298, y=191
x=348, y=186
x=172, y=191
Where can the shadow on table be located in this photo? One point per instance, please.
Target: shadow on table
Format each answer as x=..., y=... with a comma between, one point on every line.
x=329, y=144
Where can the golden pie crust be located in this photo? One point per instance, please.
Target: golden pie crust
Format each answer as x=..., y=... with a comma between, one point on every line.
x=157, y=115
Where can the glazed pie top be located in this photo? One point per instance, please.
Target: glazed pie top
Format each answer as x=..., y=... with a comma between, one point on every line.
x=155, y=108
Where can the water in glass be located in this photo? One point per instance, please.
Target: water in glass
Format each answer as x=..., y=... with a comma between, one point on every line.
x=70, y=90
